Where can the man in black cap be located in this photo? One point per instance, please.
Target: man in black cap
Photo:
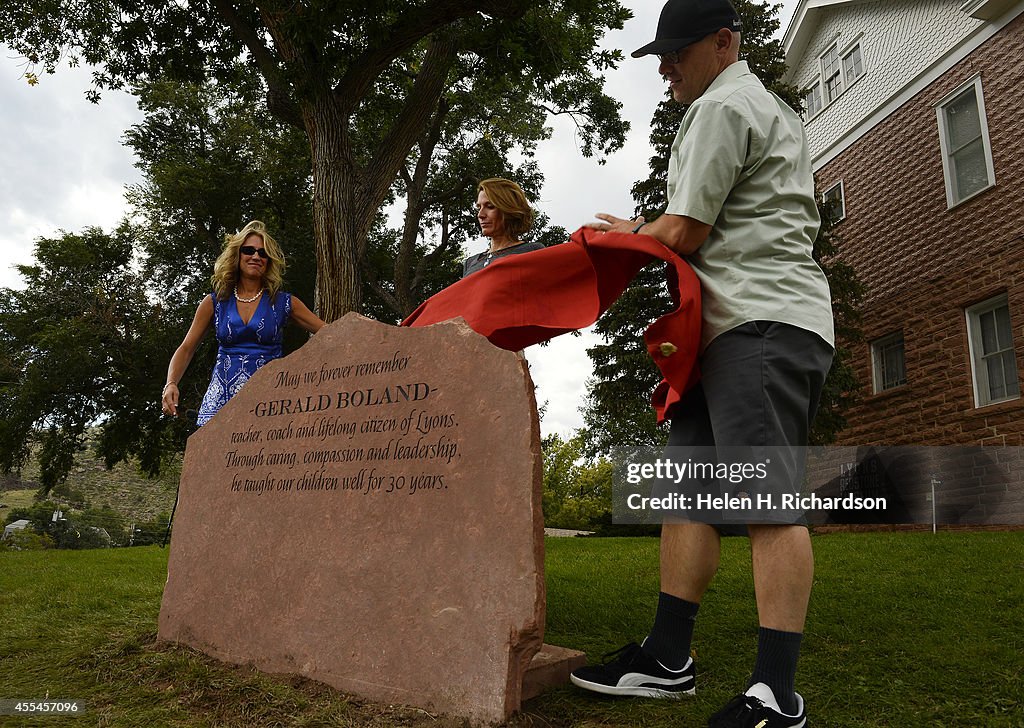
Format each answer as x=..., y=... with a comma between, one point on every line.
x=741, y=209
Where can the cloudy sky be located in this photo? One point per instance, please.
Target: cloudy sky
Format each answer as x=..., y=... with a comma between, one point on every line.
x=64, y=168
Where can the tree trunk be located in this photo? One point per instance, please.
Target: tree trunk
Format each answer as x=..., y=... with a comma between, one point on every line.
x=337, y=229
x=346, y=196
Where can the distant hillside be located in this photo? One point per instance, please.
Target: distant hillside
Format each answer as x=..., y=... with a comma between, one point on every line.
x=124, y=488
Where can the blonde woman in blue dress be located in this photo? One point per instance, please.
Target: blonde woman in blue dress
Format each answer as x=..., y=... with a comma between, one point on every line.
x=247, y=311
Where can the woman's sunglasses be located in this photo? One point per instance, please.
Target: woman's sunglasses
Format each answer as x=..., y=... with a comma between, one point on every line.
x=253, y=250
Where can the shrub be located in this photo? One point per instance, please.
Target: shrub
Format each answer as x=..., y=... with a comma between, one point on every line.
x=26, y=540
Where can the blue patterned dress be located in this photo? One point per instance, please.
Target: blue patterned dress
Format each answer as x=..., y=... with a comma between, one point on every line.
x=243, y=347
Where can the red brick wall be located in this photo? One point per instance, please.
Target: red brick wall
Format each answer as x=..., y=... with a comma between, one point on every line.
x=925, y=264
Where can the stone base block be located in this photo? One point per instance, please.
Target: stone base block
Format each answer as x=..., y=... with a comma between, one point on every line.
x=550, y=668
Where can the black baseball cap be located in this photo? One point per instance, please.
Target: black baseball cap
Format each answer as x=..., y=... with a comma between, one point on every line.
x=684, y=22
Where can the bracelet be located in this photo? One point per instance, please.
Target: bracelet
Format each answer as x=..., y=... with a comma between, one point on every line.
x=169, y=384
x=637, y=228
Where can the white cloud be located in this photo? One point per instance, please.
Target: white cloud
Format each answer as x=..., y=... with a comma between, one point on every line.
x=560, y=371
x=64, y=166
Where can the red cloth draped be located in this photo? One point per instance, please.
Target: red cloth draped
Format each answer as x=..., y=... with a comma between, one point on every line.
x=520, y=300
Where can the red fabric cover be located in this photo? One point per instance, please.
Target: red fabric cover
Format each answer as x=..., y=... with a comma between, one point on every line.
x=520, y=300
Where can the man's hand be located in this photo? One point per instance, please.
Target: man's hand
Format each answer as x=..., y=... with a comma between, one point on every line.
x=678, y=233
x=614, y=224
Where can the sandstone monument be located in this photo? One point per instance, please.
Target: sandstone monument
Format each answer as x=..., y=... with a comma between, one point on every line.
x=366, y=512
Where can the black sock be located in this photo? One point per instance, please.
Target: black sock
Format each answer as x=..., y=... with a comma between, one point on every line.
x=777, y=653
x=669, y=640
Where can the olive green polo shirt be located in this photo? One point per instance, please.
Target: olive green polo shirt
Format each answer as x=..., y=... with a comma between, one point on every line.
x=740, y=163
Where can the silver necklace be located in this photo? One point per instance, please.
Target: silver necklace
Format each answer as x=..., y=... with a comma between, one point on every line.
x=247, y=300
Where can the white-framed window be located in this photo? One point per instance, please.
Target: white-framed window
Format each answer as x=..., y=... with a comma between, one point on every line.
x=834, y=200
x=853, y=64
x=838, y=70
x=993, y=361
x=812, y=100
x=888, y=362
x=963, y=137
x=831, y=74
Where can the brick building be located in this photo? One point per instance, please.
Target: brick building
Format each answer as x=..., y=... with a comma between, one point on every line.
x=916, y=124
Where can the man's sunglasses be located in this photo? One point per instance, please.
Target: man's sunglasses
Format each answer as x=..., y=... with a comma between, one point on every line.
x=253, y=250
x=671, y=58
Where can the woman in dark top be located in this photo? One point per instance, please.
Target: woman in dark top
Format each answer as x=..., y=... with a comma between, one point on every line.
x=504, y=216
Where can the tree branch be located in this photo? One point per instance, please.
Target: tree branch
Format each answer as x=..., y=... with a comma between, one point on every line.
x=449, y=194
x=427, y=261
x=279, y=95
x=387, y=297
x=558, y=112
x=282, y=105
x=415, y=114
x=406, y=177
x=265, y=59
x=405, y=281
x=429, y=143
x=571, y=113
x=412, y=27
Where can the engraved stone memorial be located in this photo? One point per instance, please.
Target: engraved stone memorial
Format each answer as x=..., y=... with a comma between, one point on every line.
x=366, y=512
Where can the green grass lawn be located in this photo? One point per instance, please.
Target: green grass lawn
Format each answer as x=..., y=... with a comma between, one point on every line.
x=905, y=630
